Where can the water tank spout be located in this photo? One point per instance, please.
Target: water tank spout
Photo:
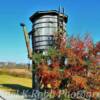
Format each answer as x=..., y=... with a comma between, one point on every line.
x=29, y=50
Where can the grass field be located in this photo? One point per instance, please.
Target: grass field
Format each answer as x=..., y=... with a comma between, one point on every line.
x=12, y=82
x=18, y=72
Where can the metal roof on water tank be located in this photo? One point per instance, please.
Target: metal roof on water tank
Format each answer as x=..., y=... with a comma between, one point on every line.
x=50, y=12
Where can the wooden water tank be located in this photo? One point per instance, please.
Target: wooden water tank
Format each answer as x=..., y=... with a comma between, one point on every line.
x=44, y=25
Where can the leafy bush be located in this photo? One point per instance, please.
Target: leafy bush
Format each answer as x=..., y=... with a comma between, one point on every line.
x=81, y=55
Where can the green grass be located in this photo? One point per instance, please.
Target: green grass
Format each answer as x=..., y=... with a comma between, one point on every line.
x=8, y=83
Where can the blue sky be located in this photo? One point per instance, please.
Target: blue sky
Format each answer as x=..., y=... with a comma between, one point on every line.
x=84, y=16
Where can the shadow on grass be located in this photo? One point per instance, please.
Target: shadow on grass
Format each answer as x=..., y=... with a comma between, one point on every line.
x=17, y=88
x=25, y=91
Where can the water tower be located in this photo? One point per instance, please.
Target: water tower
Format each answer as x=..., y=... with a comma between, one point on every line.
x=45, y=24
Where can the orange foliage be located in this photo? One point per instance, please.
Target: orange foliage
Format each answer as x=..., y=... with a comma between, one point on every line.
x=80, y=53
x=80, y=81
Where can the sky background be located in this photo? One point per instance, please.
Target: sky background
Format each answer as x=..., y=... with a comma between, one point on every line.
x=83, y=17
